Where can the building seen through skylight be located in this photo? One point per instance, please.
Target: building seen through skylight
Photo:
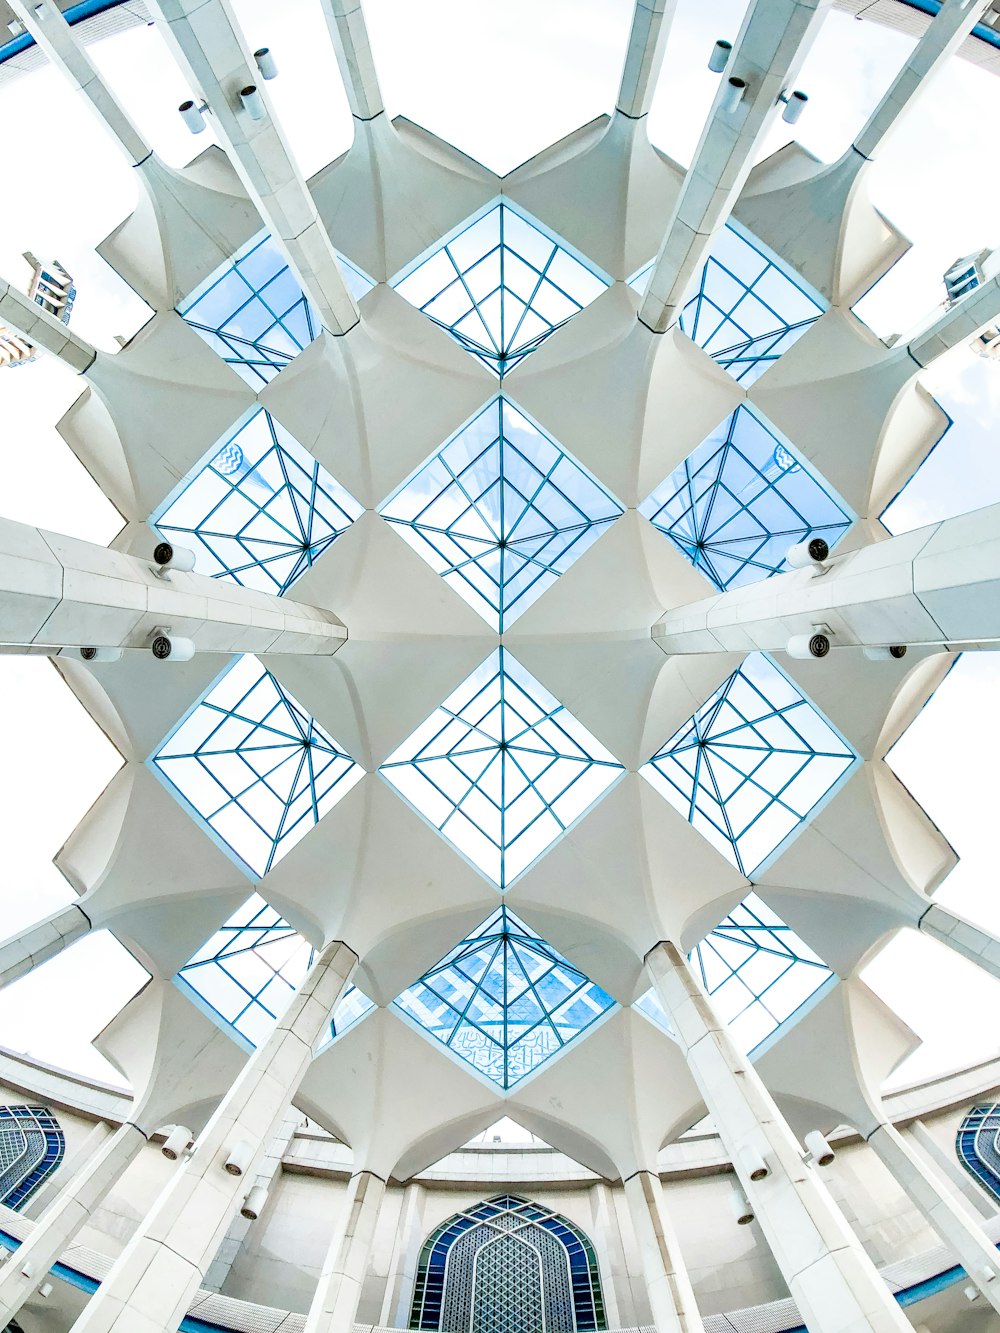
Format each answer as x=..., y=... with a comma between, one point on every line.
x=741, y=499
x=257, y=510
x=752, y=764
x=500, y=284
x=504, y=1001
x=501, y=769
x=252, y=767
x=500, y=511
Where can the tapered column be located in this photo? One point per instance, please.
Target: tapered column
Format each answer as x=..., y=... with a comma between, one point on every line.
x=61, y=591
x=647, y=40
x=671, y=1296
x=209, y=46
x=336, y=1300
x=26, y=1269
x=771, y=46
x=36, y=944
x=946, y=1212
x=151, y=1284
x=349, y=34
x=43, y=330
x=834, y=1283
x=938, y=586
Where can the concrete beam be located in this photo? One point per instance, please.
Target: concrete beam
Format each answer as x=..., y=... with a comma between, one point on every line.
x=349, y=34
x=958, y=324
x=647, y=41
x=938, y=586
x=773, y=41
x=60, y=591
x=209, y=46
x=43, y=330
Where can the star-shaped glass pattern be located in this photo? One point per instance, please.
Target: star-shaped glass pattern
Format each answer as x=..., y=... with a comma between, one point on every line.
x=740, y=500
x=255, y=770
x=252, y=311
x=750, y=307
x=500, y=284
x=504, y=1001
x=500, y=511
x=257, y=510
x=247, y=973
x=752, y=765
x=501, y=769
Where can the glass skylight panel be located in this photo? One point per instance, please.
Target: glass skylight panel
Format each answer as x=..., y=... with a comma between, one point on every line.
x=248, y=971
x=252, y=311
x=749, y=308
x=649, y=1005
x=259, y=510
x=757, y=971
x=500, y=511
x=500, y=285
x=501, y=769
x=751, y=766
x=740, y=500
x=253, y=767
x=504, y=1001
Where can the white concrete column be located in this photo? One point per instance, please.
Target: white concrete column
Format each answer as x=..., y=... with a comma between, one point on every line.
x=972, y=942
x=938, y=585
x=958, y=324
x=152, y=1283
x=770, y=48
x=336, y=1300
x=45, y=23
x=947, y=1214
x=43, y=330
x=349, y=34
x=64, y=592
x=647, y=41
x=209, y=46
x=961, y=1181
x=671, y=1296
x=835, y=1285
x=35, y=945
x=23, y=1272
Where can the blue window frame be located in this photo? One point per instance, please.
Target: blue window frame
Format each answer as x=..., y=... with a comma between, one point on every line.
x=257, y=510
x=252, y=311
x=500, y=284
x=246, y=974
x=741, y=499
x=978, y=1146
x=504, y=1001
x=556, y=1285
x=252, y=767
x=500, y=511
x=752, y=765
x=32, y=1146
x=501, y=769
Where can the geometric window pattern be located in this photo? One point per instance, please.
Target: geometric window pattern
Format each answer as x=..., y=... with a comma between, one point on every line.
x=252, y=312
x=977, y=1146
x=252, y=767
x=247, y=972
x=751, y=765
x=500, y=512
x=748, y=309
x=508, y=1266
x=31, y=1147
x=740, y=500
x=504, y=1001
x=258, y=510
x=501, y=769
x=757, y=971
x=500, y=285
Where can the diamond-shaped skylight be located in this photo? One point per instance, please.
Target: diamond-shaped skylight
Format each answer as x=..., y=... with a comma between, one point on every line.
x=750, y=767
x=740, y=500
x=500, y=285
x=253, y=313
x=253, y=767
x=501, y=768
x=247, y=972
x=749, y=308
x=258, y=509
x=500, y=511
x=504, y=1000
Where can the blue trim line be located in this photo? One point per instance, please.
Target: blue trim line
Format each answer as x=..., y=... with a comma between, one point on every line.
x=87, y=9
x=932, y=7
